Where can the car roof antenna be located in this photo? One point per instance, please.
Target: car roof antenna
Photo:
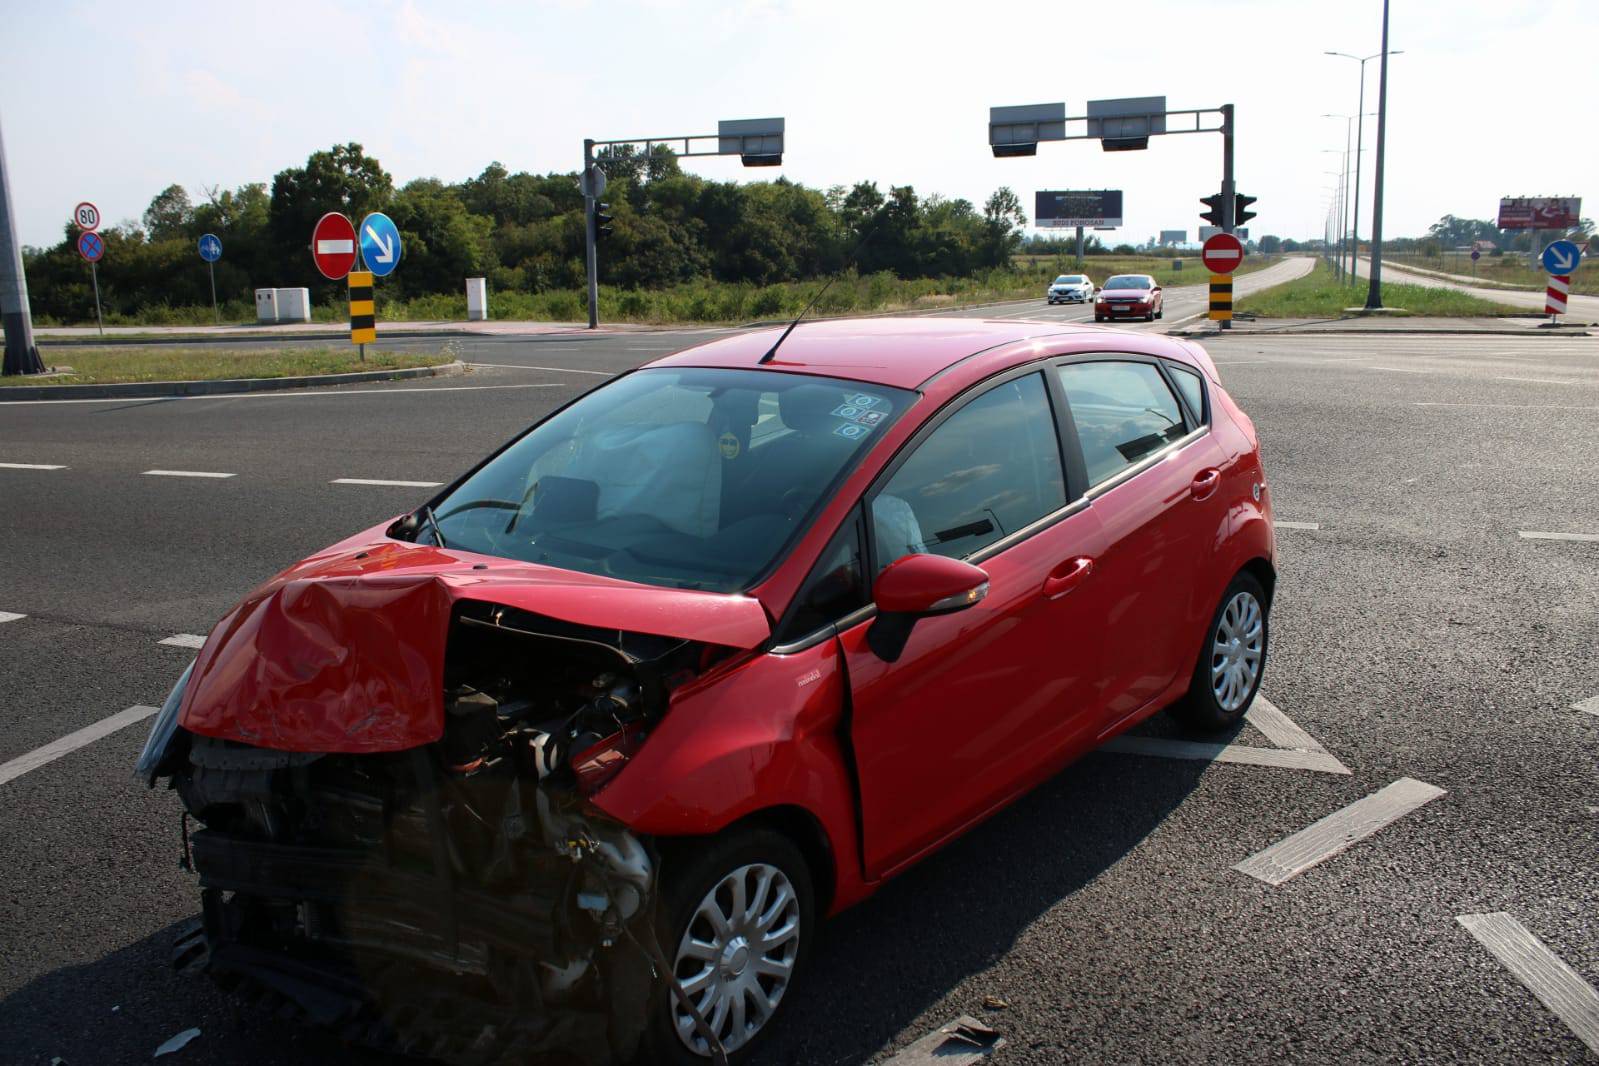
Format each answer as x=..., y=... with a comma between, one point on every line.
x=849, y=261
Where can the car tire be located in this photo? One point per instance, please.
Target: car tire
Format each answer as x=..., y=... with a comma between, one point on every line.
x=1162, y=312
x=1243, y=613
x=1099, y=318
x=691, y=873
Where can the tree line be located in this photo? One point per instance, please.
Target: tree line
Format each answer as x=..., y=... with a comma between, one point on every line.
x=524, y=232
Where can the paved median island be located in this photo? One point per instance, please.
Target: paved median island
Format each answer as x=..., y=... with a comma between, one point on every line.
x=111, y=372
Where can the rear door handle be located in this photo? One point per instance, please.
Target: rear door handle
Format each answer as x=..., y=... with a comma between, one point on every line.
x=1205, y=483
x=1067, y=576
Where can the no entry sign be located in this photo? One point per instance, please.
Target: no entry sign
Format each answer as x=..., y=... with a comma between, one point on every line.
x=1222, y=253
x=333, y=245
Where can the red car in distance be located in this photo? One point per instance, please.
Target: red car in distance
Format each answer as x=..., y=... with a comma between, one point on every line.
x=1129, y=296
x=579, y=753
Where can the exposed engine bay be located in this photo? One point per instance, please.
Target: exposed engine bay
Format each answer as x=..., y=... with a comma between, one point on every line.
x=458, y=900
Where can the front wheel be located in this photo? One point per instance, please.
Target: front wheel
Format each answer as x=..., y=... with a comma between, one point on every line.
x=1232, y=660
x=1161, y=313
x=736, y=919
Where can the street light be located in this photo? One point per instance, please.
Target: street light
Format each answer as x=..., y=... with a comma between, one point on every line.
x=1361, y=113
x=758, y=142
x=1340, y=201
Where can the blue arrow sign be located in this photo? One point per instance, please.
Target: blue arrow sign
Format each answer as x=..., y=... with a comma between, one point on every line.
x=1561, y=257
x=380, y=244
x=210, y=247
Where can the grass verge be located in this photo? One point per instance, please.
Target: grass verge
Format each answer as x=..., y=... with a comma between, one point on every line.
x=119, y=365
x=719, y=302
x=1321, y=295
x=1510, y=270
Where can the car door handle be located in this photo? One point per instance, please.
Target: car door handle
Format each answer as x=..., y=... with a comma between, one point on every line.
x=1067, y=576
x=1205, y=483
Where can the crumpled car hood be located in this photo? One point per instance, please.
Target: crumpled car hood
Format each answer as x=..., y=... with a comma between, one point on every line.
x=344, y=651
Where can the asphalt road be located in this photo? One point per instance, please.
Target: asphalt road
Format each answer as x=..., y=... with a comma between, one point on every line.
x=1417, y=635
x=1581, y=308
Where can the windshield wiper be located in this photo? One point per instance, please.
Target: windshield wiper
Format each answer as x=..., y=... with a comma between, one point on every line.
x=433, y=524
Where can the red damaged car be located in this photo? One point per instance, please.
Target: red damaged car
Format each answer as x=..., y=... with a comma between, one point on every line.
x=578, y=754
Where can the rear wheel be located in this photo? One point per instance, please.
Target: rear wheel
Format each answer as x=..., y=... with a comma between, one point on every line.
x=1232, y=660
x=736, y=920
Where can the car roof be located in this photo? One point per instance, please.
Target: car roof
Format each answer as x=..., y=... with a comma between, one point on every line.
x=905, y=352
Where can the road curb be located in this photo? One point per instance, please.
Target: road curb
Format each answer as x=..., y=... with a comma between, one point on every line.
x=135, y=390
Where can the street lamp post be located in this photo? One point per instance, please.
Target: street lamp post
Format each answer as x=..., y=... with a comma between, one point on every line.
x=1361, y=114
x=1374, y=292
x=1341, y=205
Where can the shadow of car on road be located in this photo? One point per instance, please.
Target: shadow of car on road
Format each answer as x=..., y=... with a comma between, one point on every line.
x=877, y=968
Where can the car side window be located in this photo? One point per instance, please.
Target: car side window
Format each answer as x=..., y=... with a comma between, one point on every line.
x=836, y=585
x=989, y=469
x=1123, y=411
x=1192, y=387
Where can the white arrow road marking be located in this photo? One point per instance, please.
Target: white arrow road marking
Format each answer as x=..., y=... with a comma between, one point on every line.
x=334, y=247
x=1295, y=750
x=386, y=243
x=184, y=640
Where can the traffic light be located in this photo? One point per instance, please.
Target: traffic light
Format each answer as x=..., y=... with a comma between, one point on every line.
x=1213, y=216
x=1241, y=214
x=602, y=221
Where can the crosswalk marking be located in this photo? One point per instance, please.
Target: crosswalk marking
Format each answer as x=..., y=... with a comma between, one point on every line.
x=1292, y=856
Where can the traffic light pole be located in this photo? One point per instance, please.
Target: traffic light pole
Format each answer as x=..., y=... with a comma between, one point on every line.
x=1229, y=188
x=589, y=238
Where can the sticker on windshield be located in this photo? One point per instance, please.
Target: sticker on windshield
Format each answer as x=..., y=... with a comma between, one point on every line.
x=855, y=414
x=864, y=399
x=728, y=445
x=852, y=430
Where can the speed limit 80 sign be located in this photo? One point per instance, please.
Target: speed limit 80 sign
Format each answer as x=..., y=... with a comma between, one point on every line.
x=87, y=216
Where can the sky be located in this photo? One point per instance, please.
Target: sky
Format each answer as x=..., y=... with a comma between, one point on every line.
x=112, y=102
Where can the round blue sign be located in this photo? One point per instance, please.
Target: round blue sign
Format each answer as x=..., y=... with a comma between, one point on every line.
x=380, y=244
x=210, y=247
x=1561, y=257
x=91, y=245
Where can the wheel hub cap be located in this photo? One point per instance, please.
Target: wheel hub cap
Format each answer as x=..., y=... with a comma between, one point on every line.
x=735, y=958
x=1236, y=651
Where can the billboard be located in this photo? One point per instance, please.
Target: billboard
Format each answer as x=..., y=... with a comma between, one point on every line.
x=1173, y=236
x=1539, y=212
x=1079, y=207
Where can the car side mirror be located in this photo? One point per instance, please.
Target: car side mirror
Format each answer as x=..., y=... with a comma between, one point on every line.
x=917, y=587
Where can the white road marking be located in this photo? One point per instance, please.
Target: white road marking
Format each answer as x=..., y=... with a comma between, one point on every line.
x=1509, y=406
x=1545, y=974
x=186, y=473
x=291, y=394
x=1398, y=369
x=7, y=616
x=52, y=751
x=184, y=640
x=1532, y=534
x=1199, y=751
x=1292, y=856
x=961, y=1042
x=30, y=466
x=1240, y=362
x=1296, y=749
x=381, y=481
x=1280, y=729
x=1587, y=706
x=1279, y=524
x=1541, y=381
x=551, y=369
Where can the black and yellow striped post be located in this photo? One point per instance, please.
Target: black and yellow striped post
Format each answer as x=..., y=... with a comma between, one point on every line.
x=363, y=314
x=1221, y=297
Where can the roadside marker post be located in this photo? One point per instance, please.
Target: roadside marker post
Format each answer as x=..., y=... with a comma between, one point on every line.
x=1560, y=259
x=1221, y=298
x=1222, y=253
x=363, y=312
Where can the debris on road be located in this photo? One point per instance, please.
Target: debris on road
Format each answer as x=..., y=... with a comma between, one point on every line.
x=176, y=1044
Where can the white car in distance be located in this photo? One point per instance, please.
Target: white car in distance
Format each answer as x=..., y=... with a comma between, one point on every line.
x=1071, y=289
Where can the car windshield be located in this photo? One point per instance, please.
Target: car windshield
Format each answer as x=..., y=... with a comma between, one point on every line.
x=690, y=478
x=1070, y=279
x=1129, y=281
